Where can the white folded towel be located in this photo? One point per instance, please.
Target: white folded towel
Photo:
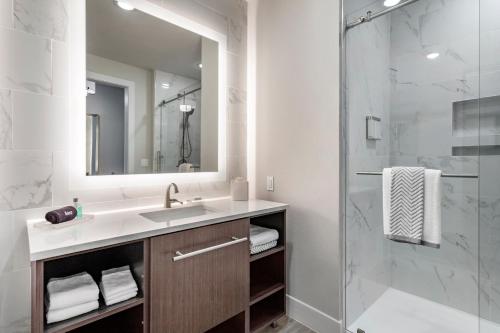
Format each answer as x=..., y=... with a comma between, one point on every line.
x=120, y=297
x=263, y=247
x=260, y=235
x=117, y=281
x=72, y=290
x=432, y=206
x=70, y=312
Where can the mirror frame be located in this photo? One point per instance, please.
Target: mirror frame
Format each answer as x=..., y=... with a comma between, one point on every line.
x=77, y=105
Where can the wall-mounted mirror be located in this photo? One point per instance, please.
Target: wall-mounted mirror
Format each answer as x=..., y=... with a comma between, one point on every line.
x=152, y=103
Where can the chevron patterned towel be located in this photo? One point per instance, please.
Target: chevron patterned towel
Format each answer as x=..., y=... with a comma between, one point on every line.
x=406, y=216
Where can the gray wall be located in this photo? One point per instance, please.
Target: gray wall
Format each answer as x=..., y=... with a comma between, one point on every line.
x=298, y=139
x=109, y=103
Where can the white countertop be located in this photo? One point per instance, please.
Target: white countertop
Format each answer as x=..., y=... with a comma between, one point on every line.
x=117, y=226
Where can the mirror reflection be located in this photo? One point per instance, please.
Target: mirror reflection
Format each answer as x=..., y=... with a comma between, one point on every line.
x=152, y=94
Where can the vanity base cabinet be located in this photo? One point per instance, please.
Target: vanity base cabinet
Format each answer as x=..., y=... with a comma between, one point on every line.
x=199, y=277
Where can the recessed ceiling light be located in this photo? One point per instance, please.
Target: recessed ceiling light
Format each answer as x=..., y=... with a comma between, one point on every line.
x=432, y=56
x=165, y=85
x=200, y=66
x=390, y=3
x=124, y=5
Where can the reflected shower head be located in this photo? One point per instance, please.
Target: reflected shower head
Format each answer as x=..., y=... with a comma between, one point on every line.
x=186, y=108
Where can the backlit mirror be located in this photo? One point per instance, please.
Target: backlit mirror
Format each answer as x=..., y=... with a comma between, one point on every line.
x=152, y=103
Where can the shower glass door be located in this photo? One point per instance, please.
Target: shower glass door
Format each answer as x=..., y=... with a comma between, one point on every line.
x=417, y=70
x=489, y=164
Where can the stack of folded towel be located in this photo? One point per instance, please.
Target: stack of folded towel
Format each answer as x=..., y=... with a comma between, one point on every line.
x=262, y=239
x=118, y=285
x=71, y=296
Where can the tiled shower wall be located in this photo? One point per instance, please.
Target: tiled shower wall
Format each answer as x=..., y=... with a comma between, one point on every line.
x=368, y=94
x=34, y=129
x=465, y=272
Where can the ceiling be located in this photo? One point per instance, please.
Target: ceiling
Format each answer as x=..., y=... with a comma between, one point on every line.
x=141, y=40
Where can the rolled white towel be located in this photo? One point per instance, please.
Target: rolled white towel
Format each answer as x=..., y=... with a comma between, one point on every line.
x=70, y=312
x=260, y=235
x=117, y=281
x=72, y=290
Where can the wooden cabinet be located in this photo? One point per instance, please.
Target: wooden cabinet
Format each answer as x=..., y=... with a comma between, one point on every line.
x=199, y=277
x=201, y=280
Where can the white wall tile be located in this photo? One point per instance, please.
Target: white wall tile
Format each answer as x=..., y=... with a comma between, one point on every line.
x=6, y=13
x=6, y=244
x=5, y=119
x=15, y=302
x=47, y=18
x=38, y=122
x=60, y=69
x=25, y=62
x=26, y=180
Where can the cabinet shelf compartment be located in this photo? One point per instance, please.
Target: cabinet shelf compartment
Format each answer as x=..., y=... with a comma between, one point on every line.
x=232, y=325
x=129, y=321
x=133, y=254
x=267, y=311
x=273, y=221
x=73, y=324
x=266, y=253
x=267, y=276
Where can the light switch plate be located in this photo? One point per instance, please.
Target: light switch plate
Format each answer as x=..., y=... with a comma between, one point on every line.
x=270, y=183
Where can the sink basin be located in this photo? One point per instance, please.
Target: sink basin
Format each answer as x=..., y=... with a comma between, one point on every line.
x=170, y=214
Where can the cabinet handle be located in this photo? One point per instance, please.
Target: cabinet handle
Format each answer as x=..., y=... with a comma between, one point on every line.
x=181, y=256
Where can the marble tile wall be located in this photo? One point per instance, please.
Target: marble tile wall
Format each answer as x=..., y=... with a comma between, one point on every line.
x=465, y=272
x=423, y=91
x=34, y=103
x=368, y=92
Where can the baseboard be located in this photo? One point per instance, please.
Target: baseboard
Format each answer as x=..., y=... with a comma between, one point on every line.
x=311, y=317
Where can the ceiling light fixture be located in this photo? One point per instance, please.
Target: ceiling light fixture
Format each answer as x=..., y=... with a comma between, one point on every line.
x=124, y=5
x=165, y=85
x=200, y=66
x=432, y=56
x=390, y=3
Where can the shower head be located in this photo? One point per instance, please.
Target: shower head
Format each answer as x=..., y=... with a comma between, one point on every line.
x=186, y=108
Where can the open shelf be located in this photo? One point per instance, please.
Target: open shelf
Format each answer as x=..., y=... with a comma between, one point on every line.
x=260, y=291
x=267, y=253
x=134, y=254
x=88, y=318
x=232, y=325
x=267, y=311
x=268, y=276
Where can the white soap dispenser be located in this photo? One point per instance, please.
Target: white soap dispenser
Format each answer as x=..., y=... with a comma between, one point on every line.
x=239, y=189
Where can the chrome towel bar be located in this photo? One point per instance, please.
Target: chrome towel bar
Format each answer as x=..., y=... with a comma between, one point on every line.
x=445, y=175
x=181, y=256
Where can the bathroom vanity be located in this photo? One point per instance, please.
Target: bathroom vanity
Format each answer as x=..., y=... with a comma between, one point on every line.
x=192, y=265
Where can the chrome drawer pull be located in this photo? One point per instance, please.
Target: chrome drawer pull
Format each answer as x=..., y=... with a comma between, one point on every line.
x=181, y=256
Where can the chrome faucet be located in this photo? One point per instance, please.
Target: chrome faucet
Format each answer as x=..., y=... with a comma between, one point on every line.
x=168, y=200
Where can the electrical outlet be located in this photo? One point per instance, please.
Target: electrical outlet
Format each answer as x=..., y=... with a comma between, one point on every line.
x=270, y=183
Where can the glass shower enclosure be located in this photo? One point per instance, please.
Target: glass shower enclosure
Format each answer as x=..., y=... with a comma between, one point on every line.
x=421, y=87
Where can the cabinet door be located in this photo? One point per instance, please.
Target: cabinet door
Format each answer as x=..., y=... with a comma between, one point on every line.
x=195, y=293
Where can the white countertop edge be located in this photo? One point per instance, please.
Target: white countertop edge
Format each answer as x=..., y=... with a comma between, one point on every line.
x=73, y=249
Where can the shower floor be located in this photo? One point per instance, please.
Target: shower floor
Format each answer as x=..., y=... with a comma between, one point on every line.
x=396, y=311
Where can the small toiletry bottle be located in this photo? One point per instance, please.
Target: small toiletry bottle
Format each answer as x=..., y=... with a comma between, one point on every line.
x=79, y=208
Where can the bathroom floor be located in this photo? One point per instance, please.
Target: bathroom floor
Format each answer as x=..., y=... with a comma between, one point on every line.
x=397, y=311
x=288, y=326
